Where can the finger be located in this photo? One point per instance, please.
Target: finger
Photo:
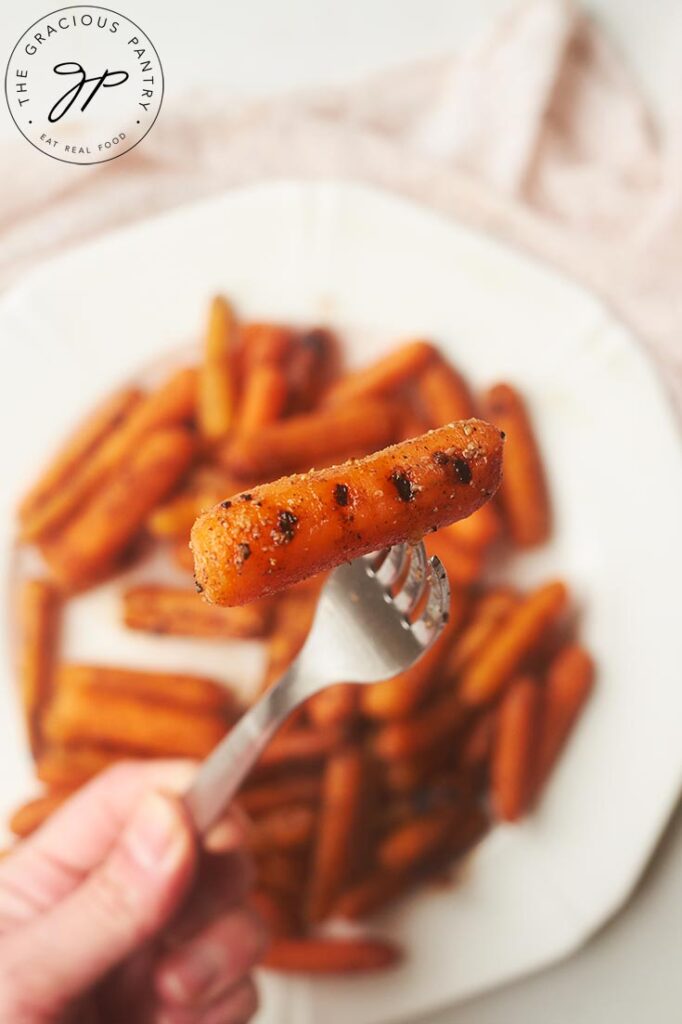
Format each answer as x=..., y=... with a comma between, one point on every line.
x=223, y=882
x=124, y=901
x=82, y=831
x=234, y=1007
x=228, y=833
x=213, y=962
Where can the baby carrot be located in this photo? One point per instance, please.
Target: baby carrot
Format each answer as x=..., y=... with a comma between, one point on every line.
x=171, y=404
x=180, y=611
x=515, y=638
x=279, y=533
x=216, y=385
x=95, y=538
x=336, y=839
x=38, y=614
x=569, y=681
x=310, y=439
x=523, y=494
x=331, y=956
x=70, y=458
x=385, y=376
x=511, y=769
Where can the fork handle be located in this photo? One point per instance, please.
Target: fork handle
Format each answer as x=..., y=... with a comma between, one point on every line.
x=224, y=770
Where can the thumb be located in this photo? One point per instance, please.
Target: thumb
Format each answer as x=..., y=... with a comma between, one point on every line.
x=123, y=902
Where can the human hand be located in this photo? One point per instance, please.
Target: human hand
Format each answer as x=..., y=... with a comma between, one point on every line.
x=91, y=923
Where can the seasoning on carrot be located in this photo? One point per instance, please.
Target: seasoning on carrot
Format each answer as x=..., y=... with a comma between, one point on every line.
x=260, y=542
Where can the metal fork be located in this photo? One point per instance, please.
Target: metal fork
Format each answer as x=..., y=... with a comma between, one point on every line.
x=362, y=633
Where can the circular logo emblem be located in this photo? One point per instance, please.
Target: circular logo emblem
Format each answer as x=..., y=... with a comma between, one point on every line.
x=84, y=84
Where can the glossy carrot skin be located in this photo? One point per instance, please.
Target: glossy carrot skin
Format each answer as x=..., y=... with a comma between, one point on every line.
x=260, y=543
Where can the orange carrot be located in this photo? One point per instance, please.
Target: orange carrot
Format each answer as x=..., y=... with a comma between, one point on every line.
x=415, y=840
x=265, y=398
x=491, y=609
x=302, y=525
x=90, y=716
x=436, y=722
x=79, y=446
x=38, y=623
x=330, y=956
x=476, y=746
x=523, y=494
x=293, y=619
x=511, y=769
x=299, y=745
x=463, y=565
x=477, y=532
x=216, y=389
x=179, y=611
x=399, y=696
x=523, y=628
x=444, y=394
x=570, y=678
x=335, y=706
x=171, y=404
x=370, y=894
x=266, y=796
x=334, y=852
x=92, y=541
x=284, y=828
x=385, y=376
x=283, y=873
x=192, y=692
x=310, y=439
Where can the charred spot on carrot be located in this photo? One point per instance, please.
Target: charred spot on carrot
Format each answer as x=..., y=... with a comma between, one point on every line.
x=403, y=485
x=243, y=554
x=286, y=524
x=341, y=494
x=462, y=471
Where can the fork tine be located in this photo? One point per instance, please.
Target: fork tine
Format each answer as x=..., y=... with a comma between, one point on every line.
x=407, y=599
x=435, y=615
x=393, y=566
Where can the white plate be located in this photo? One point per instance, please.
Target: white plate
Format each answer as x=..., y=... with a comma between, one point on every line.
x=381, y=269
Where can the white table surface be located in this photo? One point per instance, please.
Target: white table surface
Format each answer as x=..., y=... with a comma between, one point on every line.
x=630, y=973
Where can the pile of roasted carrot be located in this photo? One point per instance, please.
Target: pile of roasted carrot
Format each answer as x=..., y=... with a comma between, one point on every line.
x=368, y=791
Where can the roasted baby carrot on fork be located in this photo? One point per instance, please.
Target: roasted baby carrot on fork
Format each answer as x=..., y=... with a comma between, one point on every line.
x=261, y=542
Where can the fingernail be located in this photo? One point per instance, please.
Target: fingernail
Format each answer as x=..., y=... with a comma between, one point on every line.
x=154, y=834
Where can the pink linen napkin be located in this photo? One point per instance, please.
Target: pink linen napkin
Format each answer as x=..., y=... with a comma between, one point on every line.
x=536, y=133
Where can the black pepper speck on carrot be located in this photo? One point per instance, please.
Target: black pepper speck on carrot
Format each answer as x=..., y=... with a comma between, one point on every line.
x=296, y=526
